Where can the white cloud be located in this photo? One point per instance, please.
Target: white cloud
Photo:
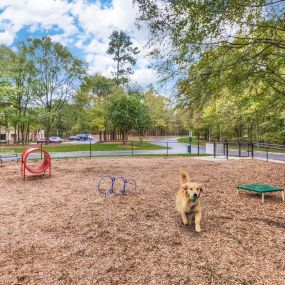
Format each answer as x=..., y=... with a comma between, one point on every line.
x=96, y=46
x=61, y=38
x=100, y=63
x=144, y=76
x=79, y=24
x=44, y=14
x=100, y=22
x=6, y=38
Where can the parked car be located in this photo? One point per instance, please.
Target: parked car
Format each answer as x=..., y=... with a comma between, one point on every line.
x=84, y=137
x=55, y=140
x=50, y=140
x=73, y=138
x=41, y=140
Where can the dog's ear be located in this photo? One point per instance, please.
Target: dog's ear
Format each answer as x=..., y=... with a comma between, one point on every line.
x=184, y=177
x=184, y=188
x=201, y=189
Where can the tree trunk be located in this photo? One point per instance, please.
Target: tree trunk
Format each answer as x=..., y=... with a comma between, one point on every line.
x=22, y=136
x=256, y=131
x=209, y=133
x=125, y=137
x=15, y=137
x=220, y=132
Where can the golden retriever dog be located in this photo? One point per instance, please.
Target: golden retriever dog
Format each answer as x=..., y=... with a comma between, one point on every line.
x=188, y=200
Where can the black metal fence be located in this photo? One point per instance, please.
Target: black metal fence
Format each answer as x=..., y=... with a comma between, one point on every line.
x=250, y=149
x=172, y=147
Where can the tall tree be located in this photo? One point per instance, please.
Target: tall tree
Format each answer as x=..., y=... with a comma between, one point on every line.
x=184, y=30
x=97, y=86
x=18, y=71
x=128, y=112
x=91, y=101
x=123, y=52
x=58, y=73
x=157, y=105
x=224, y=54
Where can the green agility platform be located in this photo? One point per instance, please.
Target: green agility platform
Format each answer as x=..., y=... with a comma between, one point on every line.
x=261, y=188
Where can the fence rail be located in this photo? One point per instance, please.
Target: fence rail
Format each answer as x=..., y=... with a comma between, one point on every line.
x=252, y=149
x=172, y=147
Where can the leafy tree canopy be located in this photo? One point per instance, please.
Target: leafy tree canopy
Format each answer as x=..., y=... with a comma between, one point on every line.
x=123, y=52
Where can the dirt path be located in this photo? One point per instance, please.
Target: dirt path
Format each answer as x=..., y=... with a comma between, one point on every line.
x=61, y=231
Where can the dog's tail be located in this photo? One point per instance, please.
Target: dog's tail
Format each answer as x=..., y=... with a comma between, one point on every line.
x=184, y=177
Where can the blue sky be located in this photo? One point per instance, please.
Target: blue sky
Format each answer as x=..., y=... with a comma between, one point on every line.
x=81, y=25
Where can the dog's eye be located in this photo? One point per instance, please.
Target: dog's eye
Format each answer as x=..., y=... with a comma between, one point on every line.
x=191, y=189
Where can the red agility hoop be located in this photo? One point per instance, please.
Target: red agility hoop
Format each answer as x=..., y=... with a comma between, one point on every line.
x=46, y=165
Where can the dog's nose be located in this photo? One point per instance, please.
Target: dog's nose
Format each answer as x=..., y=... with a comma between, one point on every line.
x=195, y=195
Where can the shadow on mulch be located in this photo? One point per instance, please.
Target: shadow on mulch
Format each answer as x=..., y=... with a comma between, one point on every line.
x=269, y=222
x=36, y=177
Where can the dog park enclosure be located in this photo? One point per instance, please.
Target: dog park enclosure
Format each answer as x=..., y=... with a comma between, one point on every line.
x=60, y=230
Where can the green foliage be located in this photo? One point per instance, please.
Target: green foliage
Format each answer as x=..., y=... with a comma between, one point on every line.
x=16, y=88
x=99, y=115
x=36, y=81
x=163, y=115
x=91, y=103
x=57, y=75
x=157, y=105
x=184, y=30
x=128, y=112
x=121, y=47
x=229, y=58
x=97, y=86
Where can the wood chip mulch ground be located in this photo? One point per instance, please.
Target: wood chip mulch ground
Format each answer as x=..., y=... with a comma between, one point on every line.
x=59, y=230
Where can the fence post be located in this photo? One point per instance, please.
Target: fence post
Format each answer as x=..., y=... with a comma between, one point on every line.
x=90, y=154
x=189, y=149
x=227, y=150
x=214, y=149
x=252, y=150
x=267, y=153
x=132, y=148
x=41, y=151
x=198, y=148
x=166, y=148
x=239, y=149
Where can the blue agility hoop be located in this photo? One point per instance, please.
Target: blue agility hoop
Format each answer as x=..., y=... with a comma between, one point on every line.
x=131, y=186
x=128, y=185
x=121, y=190
x=107, y=179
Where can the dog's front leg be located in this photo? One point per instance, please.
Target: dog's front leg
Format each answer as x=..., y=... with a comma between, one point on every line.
x=198, y=221
x=184, y=218
x=190, y=218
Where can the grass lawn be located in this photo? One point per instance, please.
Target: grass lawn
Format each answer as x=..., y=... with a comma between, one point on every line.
x=86, y=147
